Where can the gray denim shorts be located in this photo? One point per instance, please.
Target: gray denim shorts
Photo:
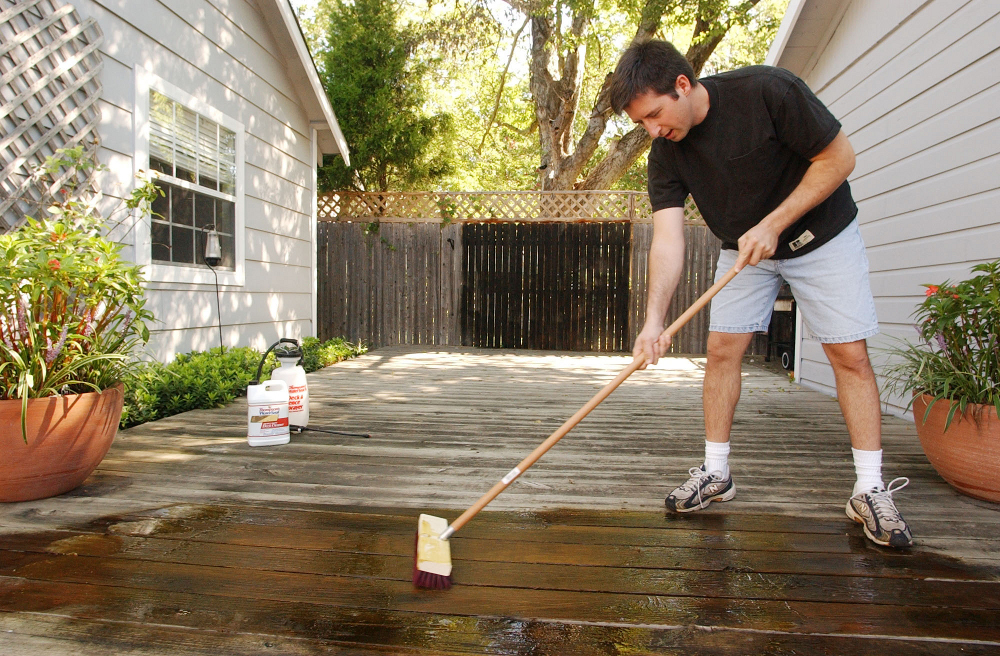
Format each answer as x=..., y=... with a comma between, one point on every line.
x=830, y=285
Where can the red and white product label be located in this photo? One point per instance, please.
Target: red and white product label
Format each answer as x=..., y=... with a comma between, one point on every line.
x=296, y=395
x=267, y=420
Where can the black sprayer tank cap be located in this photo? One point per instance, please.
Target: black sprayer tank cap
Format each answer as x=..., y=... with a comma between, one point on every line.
x=288, y=351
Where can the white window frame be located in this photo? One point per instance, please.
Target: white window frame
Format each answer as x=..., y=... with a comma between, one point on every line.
x=182, y=273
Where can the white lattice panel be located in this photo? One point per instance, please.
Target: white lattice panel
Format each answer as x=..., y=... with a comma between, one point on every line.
x=49, y=88
x=492, y=206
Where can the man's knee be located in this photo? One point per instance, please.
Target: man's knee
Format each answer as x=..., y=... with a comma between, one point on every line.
x=850, y=356
x=727, y=346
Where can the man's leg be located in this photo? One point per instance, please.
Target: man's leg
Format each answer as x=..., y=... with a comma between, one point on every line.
x=721, y=390
x=721, y=393
x=857, y=393
x=741, y=308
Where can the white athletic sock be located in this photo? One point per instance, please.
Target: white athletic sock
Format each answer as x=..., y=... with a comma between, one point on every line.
x=717, y=458
x=868, y=465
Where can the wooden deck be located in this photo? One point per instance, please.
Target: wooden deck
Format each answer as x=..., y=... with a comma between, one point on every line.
x=187, y=541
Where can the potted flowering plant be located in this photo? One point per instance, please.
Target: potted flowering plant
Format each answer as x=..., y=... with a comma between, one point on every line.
x=953, y=376
x=71, y=316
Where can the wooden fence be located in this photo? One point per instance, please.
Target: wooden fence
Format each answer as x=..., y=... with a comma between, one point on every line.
x=463, y=268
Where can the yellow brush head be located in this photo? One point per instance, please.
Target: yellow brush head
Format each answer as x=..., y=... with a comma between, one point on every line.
x=433, y=553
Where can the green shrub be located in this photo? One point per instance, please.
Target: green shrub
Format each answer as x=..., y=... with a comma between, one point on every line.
x=316, y=354
x=210, y=379
x=141, y=384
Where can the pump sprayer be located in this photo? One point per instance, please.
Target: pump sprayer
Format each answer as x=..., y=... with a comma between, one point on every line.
x=279, y=406
x=267, y=404
x=294, y=375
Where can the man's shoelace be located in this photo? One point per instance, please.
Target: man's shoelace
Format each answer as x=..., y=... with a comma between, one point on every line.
x=693, y=484
x=882, y=499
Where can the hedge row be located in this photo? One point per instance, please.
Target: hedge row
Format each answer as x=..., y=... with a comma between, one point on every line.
x=210, y=379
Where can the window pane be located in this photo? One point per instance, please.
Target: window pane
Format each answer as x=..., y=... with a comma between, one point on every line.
x=185, y=143
x=182, y=244
x=161, y=204
x=182, y=206
x=200, y=237
x=160, y=235
x=161, y=122
x=225, y=216
x=204, y=210
x=228, y=251
x=161, y=165
x=227, y=161
x=208, y=153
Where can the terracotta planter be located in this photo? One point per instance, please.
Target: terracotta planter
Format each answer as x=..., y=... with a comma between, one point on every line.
x=968, y=454
x=68, y=436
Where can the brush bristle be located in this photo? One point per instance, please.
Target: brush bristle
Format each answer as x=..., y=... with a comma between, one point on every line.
x=430, y=581
x=427, y=579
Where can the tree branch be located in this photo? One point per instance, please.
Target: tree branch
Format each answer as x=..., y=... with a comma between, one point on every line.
x=503, y=81
x=649, y=22
x=618, y=160
x=521, y=131
x=590, y=139
x=709, y=31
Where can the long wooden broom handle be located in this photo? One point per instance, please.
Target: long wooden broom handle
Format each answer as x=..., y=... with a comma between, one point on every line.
x=584, y=411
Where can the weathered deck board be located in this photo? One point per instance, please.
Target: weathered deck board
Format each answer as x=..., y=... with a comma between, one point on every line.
x=187, y=541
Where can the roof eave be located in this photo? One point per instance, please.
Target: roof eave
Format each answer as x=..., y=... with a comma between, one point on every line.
x=804, y=33
x=320, y=112
x=791, y=17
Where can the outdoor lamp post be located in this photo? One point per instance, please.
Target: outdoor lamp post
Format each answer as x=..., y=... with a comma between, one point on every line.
x=213, y=255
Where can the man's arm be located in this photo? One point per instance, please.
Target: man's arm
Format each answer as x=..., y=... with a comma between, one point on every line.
x=666, y=263
x=828, y=171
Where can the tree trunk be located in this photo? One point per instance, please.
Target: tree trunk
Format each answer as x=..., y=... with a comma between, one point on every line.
x=556, y=100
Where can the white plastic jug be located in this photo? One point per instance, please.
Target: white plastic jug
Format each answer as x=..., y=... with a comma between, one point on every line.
x=298, y=393
x=267, y=413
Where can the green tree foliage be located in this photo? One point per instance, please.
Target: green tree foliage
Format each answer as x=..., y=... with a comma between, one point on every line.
x=533, y=114
x=376, y=88
x=479, y=63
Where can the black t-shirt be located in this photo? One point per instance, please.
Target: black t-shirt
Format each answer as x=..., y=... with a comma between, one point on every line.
x=746, y=157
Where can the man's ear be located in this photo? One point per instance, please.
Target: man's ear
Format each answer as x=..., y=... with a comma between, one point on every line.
x=683, y=85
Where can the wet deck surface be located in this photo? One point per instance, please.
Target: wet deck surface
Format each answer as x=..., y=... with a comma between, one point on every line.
x=187, y=541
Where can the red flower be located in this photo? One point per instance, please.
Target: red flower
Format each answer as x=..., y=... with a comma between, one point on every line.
x=54, y=264
x=931, y=289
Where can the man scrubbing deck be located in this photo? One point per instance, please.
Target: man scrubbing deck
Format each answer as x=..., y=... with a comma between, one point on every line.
x=767, y=164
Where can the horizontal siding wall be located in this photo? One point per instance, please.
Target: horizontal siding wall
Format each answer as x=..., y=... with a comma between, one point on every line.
x=921, y=105
x=220, y=52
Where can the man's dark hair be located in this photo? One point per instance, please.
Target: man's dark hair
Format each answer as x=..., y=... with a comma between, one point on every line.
x=650, y=66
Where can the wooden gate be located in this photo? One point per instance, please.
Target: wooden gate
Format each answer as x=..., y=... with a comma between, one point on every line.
x=554, y=286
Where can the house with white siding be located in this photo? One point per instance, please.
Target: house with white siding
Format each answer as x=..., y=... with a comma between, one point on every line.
x=916, y=85
x=221, y=98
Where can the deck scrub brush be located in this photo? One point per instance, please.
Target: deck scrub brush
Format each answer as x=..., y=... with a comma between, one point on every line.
x=432, y=559
x=432, y=565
